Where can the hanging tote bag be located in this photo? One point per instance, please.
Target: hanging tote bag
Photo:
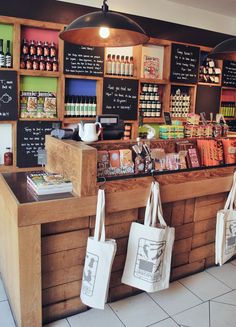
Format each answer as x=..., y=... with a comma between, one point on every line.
x=100, y=254
x=148, y=260
x=225, y=239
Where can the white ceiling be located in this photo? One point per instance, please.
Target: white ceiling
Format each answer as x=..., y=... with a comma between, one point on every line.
x=223, y=7
x=213, y=15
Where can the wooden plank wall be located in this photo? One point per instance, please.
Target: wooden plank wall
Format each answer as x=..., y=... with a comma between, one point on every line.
x=64, y=245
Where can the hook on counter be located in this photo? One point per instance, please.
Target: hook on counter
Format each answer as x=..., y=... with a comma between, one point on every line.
x=103, y=182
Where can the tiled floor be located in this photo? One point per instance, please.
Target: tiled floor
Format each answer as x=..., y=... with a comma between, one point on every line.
x=207, y=299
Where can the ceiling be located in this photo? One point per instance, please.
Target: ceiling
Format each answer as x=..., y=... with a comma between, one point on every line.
x=223, y=7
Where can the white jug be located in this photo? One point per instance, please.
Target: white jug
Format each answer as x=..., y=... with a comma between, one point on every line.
x=88, y=132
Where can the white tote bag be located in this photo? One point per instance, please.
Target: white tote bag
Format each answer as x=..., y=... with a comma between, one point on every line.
x=148, y=260
x=225, y=239
x=98, y=262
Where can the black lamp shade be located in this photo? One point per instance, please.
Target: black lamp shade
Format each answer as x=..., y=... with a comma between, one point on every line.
x=123, y=30
x=226, y=50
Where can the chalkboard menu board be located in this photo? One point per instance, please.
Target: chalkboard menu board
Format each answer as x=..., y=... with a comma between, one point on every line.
x=208, y=99
x=120, y=97
x=8, y=95
x=83, y=60
x=229, y=73
x=184, y=64
x=30, y=138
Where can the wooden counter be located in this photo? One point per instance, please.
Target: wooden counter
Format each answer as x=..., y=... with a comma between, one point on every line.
x=42, y=243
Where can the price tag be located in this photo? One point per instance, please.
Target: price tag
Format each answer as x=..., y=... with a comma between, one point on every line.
x=42, y=157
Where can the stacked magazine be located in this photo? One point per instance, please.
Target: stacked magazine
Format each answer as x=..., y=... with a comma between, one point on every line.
x=48, y=183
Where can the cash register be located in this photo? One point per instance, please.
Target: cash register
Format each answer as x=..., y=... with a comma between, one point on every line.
x=112, y=127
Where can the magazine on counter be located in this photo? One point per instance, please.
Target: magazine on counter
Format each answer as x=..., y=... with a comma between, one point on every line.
x=48, y=183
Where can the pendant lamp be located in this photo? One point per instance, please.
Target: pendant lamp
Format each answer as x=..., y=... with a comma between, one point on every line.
x=104, y=28
x=226, y=50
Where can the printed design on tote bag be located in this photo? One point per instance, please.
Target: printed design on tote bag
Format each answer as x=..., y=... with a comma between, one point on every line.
x=90, y=273
x=149, y=260
x=230, y=236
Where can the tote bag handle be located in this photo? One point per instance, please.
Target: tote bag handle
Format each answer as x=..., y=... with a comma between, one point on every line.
x=99, y=233
x=231, y=197
x=153, y=207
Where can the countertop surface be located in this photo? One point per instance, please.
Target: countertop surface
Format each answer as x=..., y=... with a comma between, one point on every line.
x=24, y=194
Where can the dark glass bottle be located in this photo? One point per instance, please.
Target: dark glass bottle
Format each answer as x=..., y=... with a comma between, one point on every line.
x=35, y=63
x=32, y=48
x=54, y=65
x=8, y=56
x=8, y=157
x=25, y=47
x=48, y=64
x=2, y=58
x=22, y=62
x=29, y=64
x=53, y=50
x=39, y=49
x=42, y=64
x=46, y=50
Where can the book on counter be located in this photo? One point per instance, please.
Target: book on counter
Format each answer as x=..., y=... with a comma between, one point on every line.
x=43, y=183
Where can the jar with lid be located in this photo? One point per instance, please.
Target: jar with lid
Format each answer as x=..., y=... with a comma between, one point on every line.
x=150, y=88
x=8, y=157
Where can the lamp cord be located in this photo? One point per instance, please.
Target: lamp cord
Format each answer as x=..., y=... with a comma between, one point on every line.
x=105, y=6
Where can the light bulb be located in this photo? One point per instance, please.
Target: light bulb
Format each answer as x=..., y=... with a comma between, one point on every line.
x=104, y=32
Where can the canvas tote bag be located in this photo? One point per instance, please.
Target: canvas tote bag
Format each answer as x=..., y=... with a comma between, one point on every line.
x=100, y=254
x=148, y=260
x=225, y=239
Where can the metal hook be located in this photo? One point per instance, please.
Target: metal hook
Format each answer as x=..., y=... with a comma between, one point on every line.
x=102, y=185
x=153, y=176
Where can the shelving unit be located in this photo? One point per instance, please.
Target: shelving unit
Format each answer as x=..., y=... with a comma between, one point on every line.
x=155, y=56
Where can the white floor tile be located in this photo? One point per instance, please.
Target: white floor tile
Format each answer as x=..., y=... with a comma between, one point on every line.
x=195, y=317
x=6, y=319
x=175, y=299
x=204, y=285
x=59, y=323
x=95, y=318
x=226, y=274
x=229, y=298
x=138, y=311
x=222, y=315
x=3, y=296
x=165, y=323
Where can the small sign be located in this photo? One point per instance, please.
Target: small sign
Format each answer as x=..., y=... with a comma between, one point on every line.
x=184, y=63
x=229, y=73
x=83, y=60
x=120, y=97
x=167, y=118
x=8, y=95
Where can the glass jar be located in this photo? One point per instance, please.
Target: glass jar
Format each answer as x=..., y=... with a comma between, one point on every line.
x=8, y=157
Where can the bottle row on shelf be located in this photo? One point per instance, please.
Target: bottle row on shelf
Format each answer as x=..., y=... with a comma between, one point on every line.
x=119, y=65
x=228, y=109
x=5, y=57
x=80, y=106
x=39, y=63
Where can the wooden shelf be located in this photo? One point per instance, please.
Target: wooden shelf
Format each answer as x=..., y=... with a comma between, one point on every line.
x=121, y=77
x=153, y=81
x=40, y=73
x=83, y=77
x=182, y=84
x=229, y=88
x=209, y=84
x=153, y=120
x=39, y=119
x=6, y=68
x=74, y=120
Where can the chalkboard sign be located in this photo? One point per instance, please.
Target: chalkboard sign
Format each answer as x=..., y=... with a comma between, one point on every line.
x=8, y=95
x=184, y=64
x=229, y=73
x=120, y=97
x=208, y=100
x=83, y=60
x=30, y=138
